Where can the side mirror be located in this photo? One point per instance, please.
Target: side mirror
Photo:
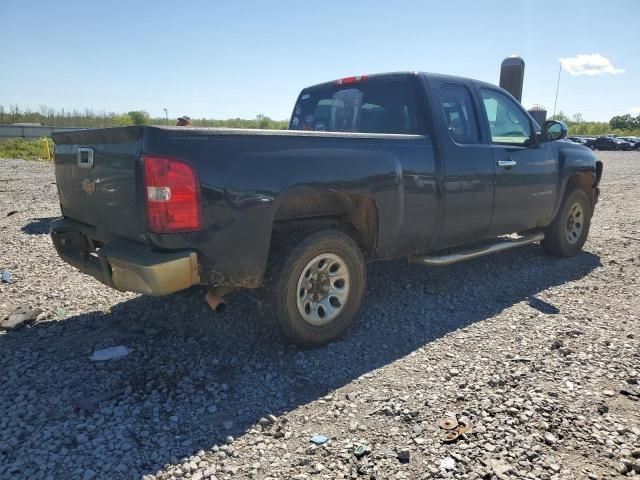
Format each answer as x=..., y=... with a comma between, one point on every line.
x=553, y=130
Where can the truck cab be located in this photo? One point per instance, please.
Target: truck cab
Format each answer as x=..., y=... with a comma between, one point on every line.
x=498, y=172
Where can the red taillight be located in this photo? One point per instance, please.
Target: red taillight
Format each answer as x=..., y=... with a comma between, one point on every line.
x=347, y=80
x=172, y=195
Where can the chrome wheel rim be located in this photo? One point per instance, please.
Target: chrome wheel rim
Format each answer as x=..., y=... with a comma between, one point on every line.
x=323, y=289
x=575, y=223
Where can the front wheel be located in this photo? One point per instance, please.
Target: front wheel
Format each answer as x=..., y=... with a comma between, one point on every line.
x=318, y=288
x=568, y=232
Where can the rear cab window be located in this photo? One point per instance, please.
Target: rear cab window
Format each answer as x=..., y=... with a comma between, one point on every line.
x=369, y=105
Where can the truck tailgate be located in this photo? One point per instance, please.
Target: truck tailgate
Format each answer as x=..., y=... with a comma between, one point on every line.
x=97, y=175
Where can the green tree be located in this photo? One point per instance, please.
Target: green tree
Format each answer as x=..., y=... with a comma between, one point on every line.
x=560, y=117
x=263, y=121
x=619, y=121
x=121, y=120
x=139, y=117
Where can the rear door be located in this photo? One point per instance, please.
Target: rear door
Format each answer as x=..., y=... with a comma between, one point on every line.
x=526, y=174
x=97, y=179
x=468, y=165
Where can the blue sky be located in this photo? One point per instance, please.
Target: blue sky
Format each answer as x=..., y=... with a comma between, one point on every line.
x=237, y=59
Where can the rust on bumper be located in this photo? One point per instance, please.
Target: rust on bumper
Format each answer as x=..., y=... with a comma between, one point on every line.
x=159, y=278
x=124, y=265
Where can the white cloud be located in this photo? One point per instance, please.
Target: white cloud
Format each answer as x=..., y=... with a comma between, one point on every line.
x=589, y=64
x=635, y=110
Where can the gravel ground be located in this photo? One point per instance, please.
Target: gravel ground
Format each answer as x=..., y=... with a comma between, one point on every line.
x=531, y=351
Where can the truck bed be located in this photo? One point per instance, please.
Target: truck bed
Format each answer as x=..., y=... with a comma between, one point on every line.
x=246, y=178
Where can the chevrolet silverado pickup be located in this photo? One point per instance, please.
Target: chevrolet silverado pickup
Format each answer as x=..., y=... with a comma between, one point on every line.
x=428, y=167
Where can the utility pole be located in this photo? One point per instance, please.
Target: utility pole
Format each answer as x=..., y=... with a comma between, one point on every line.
x=557, y=88
x=166, y=115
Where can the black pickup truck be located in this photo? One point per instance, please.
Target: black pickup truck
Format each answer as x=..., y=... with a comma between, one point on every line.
x=433, y=168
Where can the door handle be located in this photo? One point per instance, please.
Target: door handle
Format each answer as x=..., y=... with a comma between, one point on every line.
x=507, y=163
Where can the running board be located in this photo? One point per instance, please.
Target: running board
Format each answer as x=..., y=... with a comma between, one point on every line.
x=462, y=255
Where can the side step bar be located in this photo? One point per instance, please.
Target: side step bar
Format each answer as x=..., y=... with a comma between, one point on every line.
x=462, y=255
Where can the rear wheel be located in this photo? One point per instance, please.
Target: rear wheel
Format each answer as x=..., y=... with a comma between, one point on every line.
x=568, y=232
x=317, y=287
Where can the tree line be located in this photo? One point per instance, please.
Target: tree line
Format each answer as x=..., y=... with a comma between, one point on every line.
x=92, y=119
x=619, y=125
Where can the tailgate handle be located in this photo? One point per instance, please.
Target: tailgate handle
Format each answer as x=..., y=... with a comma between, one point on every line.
x=85, y=158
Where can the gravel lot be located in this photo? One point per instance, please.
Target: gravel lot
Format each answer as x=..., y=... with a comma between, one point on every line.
x=530, y=350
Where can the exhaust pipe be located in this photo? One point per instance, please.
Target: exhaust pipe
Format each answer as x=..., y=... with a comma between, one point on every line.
x=214, y=298
x=216, y=302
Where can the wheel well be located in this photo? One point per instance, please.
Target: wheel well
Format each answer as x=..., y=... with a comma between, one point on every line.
x=599, y=166
x=354, y=214
x=584, y=182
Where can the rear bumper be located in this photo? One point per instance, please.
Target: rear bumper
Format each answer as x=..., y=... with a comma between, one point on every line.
x=122, y=264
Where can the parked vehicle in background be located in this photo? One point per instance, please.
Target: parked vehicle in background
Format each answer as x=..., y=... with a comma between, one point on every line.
x=635, y=141
x=433, y=168
x=609, y=143
x=601, y=143
x=624, y=144
x=579, y=140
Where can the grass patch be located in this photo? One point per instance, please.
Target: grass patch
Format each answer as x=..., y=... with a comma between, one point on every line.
x=26, y=148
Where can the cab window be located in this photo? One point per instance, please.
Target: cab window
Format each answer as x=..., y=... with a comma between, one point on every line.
x=382, y=105
x=459, y=113
x=507, y=122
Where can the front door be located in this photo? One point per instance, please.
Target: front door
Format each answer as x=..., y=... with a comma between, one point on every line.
x=526, y=174
x=468, y=166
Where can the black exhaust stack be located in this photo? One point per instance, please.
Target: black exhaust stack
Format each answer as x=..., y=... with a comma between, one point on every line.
x=512, y=76
x=512, y=79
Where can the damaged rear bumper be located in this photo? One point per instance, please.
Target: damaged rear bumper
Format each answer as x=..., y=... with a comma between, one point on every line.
x=124, y=265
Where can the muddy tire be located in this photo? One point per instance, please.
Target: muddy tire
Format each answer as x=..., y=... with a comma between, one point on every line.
x=315, y=286
x=568, y=232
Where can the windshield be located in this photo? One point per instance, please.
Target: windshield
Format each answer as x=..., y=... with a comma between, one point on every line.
x=380, y=105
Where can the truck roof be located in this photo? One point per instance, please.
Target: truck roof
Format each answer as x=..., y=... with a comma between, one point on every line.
x=400, y=74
